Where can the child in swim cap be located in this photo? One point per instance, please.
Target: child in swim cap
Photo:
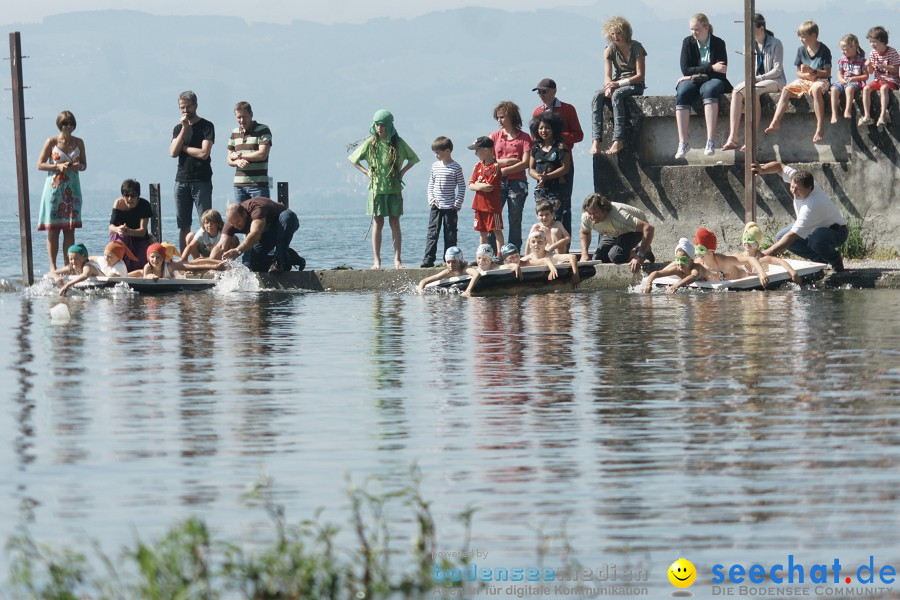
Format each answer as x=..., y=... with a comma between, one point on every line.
x=484, y=262
x=756, y=263
x=683, y=266
x=80, y=267
x=454, y=266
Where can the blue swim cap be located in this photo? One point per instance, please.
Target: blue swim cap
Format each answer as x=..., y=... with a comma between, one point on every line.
x=453, y=253
x=508, y=250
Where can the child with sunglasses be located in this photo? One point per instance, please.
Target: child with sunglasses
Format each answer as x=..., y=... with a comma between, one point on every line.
x=683, y=266
x=756, y=263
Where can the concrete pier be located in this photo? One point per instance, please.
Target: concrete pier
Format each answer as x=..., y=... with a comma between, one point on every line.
x=864, y=275
x=606, y=277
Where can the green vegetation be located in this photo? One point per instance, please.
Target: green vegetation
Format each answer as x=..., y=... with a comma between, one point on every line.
x=855, y=246
x=303, y=560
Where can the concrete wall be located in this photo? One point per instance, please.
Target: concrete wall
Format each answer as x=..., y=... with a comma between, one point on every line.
x=857, y=167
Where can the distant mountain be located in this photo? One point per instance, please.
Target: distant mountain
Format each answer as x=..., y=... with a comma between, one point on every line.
x=317, y=86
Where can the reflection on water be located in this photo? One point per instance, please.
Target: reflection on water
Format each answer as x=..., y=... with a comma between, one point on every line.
x=717, y=426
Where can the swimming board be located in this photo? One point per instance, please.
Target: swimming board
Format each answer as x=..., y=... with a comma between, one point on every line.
x=148, y=286
x=504, y=281
x=776, y=273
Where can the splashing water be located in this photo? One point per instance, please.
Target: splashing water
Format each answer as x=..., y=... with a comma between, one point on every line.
x=236, y=279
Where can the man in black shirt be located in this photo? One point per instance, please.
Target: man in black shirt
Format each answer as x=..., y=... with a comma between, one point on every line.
x=192, y=141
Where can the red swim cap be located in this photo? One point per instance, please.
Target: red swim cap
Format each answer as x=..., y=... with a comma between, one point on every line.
x=705, y=237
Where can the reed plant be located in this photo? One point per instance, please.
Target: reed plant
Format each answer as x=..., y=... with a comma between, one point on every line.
x=301, y=560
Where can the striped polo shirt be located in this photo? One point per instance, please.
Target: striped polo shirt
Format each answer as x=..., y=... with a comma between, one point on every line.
x=255, y=173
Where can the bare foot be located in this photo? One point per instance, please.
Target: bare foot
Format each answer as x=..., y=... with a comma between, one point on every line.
x=616, y=147
x=818, y=137
x=398, y=264
x=773, y=127
x=376, y=266
x=834, y=119
x=848, y=115
x=595, y=147
x=729, y=145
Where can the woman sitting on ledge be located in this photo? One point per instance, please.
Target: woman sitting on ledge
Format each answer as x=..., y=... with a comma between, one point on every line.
x=704, y=61
x=623, y=62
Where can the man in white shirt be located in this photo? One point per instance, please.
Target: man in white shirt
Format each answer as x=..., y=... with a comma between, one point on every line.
x=820, y=227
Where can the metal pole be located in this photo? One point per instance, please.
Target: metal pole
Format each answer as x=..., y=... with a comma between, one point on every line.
x=283, y=195
x=156, y=219
x=18, y=96
x=751, y=118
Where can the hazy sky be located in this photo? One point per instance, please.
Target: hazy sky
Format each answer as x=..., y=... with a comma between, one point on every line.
x=331, y=11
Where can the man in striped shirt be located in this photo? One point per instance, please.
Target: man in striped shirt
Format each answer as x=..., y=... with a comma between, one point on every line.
x=248, y=152
x=446, y=190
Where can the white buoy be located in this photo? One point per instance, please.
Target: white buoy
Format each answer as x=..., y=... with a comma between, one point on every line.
x=60, y=312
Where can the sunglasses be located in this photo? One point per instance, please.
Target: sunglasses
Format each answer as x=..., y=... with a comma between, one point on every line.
x=66, y=124
x=700, y=249
x=682, y=260
x=131, y=195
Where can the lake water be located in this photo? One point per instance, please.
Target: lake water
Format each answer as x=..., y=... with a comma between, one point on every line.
x=723, y=427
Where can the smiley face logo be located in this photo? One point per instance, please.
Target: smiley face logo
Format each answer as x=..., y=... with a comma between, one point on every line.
x=682, y=573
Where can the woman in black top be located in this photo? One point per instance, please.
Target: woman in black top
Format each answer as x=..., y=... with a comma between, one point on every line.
x=130, y=222
x=704, y=62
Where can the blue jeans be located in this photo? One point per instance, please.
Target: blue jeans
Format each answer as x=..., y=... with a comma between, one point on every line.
x=278, y=235
x=616, y=102
x=189, y=194
x=686, y=92
x=617, y=249
x=245, y=192
x=820, y=246
x=513, y=193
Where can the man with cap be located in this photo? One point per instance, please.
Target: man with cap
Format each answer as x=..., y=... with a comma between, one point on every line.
x=621, y=227
x=572, y=134
x=819, y=227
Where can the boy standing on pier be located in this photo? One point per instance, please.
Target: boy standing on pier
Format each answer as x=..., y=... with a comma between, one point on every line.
x=485, y=181
x=446, y=190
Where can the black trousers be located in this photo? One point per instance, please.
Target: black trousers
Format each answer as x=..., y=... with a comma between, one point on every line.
x=446, y=218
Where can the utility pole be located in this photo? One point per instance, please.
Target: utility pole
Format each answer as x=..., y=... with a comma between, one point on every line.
x=18, y=96
x=751, y=118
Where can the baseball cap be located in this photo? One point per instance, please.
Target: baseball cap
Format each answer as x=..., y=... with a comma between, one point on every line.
x=508, y=250
x=544, y=84
x=482, y=142
x=453, y=253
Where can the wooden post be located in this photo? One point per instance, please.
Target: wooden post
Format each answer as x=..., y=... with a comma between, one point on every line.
x=751, y=118
x=283, y=195
x=18, y=97
x=156, y=219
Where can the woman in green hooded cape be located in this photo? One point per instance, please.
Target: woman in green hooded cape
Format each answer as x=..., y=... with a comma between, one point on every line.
x=388, y=158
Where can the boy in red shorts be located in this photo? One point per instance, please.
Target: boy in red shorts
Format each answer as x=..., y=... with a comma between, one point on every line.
x=485, y=182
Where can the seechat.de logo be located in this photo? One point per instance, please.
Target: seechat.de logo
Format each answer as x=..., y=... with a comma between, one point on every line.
x=682, y=573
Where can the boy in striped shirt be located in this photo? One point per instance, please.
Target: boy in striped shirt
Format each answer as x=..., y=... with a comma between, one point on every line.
x=884, y=62
x=446, y=190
